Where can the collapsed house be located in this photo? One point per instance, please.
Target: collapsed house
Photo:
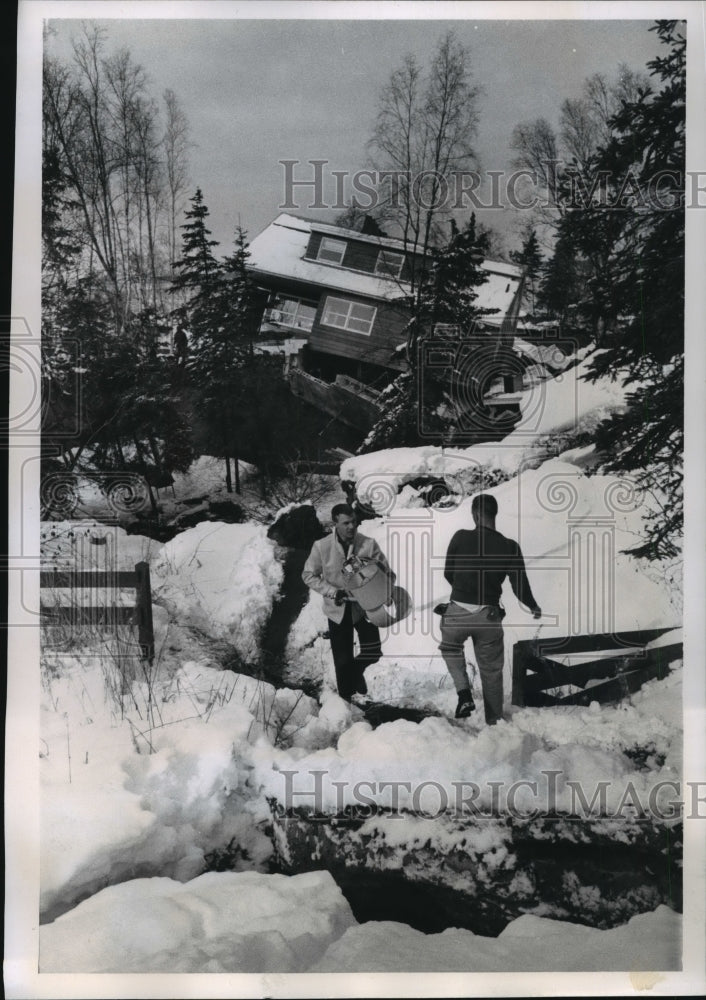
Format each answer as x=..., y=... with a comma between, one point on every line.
x=337, y=309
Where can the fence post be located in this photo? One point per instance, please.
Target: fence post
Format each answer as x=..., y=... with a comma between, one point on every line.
x=519, y=669
x=145, y=632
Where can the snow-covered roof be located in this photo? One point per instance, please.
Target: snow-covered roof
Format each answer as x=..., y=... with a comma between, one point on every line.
x=498, y=292
x=380, y=241
x=278, y=252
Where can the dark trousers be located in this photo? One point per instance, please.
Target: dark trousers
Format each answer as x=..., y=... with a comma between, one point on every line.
x=349, y=668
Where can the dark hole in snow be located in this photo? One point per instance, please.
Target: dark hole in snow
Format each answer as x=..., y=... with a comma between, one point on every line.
x=226, y=511
x=377, y=713
x=152, y=528
x=426, y=907
x=595, y=873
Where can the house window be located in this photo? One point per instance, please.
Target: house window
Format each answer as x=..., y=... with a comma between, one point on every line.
x=331, y=251
x=389, y=263
x=346, y=315
x=294, y=313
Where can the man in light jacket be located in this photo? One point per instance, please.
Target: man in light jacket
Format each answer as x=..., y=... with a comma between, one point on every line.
x=323, y=572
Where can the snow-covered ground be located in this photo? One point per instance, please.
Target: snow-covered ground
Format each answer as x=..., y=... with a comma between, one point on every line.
x=247, y=922
x=553, y=412
x=122, y=496
x=147, y=786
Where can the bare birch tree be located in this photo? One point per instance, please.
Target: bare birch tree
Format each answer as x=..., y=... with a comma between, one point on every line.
x=583, y=129
x=176, y=151
x=106, y=130
x=423, y=138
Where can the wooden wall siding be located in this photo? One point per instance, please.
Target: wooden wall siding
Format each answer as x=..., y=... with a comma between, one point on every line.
x=377, y=348
x=359, y=256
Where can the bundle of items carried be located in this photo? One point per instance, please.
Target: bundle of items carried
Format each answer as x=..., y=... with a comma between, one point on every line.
x=374, y=589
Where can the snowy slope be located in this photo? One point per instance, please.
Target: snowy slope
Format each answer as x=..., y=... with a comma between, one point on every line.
x=247, y=922
x=571, y=529
x=552, y=413
x=145, y=787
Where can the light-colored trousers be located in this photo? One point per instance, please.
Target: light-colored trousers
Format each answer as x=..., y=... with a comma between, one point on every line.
x=486, y=630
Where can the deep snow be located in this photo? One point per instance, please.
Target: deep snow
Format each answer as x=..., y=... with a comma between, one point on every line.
x=150, y=786
x=247, y=922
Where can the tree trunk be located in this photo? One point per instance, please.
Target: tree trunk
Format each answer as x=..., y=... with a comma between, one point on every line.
x=141, y=458
x=229, y=483
x=155, y=452
x=119, y=453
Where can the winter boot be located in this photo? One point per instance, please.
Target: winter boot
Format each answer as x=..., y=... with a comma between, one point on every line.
x=361, y=686
x=466, y=705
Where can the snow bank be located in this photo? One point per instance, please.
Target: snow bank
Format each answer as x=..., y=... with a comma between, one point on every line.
x=528, y=944
x=119, y=797
x=89, y=545
x=308, y=653
x=173, y=776
x=552, y=411
x=219, y=922
x=128, y=790
x=222, y=579
x=205, y=477
x=154, y=781
x=428, y=760
x=248, y=923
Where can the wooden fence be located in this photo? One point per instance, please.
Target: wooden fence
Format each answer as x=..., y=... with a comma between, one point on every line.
x=620, y=660
x=108, y=616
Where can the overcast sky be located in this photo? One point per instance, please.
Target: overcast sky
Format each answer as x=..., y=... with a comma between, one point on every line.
x=260, y=91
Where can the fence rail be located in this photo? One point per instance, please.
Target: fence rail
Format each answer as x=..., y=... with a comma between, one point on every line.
x=109, y=616
x=625, y=667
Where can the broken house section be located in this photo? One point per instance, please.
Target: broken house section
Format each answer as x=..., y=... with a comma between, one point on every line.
x=337, y=310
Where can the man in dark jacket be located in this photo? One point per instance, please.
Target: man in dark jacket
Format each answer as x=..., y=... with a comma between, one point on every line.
x=477, y=563
x=324, y=573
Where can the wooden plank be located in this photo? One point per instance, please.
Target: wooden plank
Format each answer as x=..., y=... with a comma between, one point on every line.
x=341, y=403
x=550, y=674
x=520, y=655
x=144, y=611
x=617, y=688
x=87, y=580
x=56, y=614
x=594, y=643
x=540, y=699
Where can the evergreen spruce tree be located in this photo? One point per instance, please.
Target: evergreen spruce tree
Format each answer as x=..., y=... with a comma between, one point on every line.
x=559, y=289
x=225, y=326
x=198, y=271
x=447, y=286
x=423, y=398
x=646, y=349
x=529, y=258
x=60, y=253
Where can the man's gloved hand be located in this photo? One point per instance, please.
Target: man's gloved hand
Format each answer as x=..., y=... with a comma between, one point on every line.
x=340, y=597
x=537, y=612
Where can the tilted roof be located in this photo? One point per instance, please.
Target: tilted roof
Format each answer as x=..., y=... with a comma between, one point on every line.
x=278, y=251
